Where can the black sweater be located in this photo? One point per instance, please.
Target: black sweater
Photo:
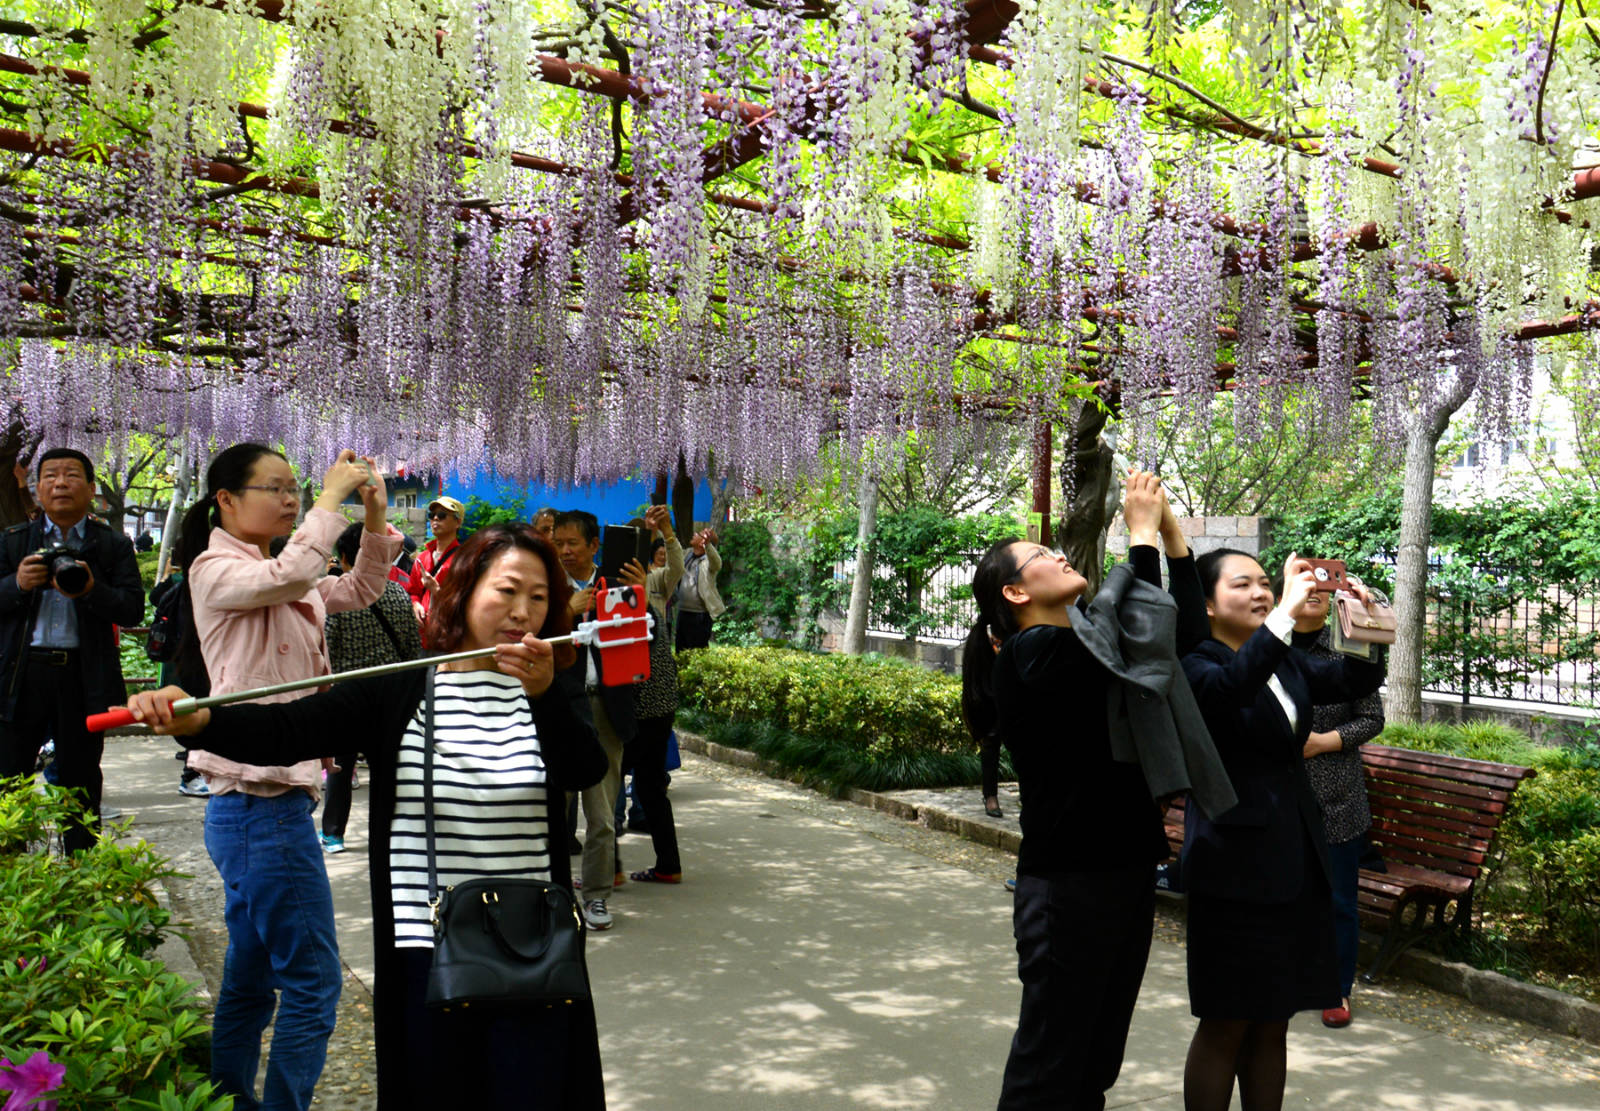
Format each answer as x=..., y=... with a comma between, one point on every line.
x=1082, y=811
x=372, y=715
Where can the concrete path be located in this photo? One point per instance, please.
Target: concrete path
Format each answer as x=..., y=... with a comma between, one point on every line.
x=821, y=957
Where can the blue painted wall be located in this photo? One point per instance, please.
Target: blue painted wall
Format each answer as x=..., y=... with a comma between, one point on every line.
x=613, y=504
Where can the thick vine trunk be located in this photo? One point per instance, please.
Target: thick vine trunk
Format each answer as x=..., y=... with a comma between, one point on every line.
x=16, y=448
x=855, y=621
x=1086, y=469
x=683, y=501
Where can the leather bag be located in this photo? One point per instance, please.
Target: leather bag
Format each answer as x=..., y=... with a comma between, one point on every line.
x=1365, y=624
x=499, y=941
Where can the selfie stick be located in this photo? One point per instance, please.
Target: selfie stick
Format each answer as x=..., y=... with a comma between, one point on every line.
x=587, y=633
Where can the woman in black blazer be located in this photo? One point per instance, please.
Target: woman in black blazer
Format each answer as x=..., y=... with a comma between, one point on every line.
x=1260, y=937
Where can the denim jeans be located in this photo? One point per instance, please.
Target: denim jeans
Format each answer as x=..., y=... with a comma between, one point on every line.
x=1345, y=860
x=279, y=910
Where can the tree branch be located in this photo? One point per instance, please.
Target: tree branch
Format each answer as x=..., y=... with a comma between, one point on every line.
x=1544, y=78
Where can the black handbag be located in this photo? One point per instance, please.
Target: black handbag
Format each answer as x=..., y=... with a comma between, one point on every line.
x=501, y=941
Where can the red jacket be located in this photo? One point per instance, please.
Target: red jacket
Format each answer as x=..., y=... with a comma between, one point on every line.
x=427, y=562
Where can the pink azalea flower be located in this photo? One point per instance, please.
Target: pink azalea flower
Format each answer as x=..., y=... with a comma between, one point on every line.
x=30, y=1081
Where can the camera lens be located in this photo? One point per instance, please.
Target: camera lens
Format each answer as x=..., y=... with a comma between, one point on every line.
x=68, y=575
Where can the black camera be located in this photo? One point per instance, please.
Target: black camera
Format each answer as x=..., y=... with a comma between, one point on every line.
x=66, y=573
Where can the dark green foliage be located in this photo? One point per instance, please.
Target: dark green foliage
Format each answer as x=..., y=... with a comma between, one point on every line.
x=842, y=721
x=1505, y=600
x=480, y=513
x=76, y=979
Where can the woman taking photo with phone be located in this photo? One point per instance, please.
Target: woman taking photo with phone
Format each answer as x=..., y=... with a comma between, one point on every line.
x=507, y=746
x=256, y=619
x=1091, y=832
x=1260, y=918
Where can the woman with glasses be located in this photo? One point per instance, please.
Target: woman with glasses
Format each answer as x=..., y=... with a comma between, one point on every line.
x=258, y=620
x=1091, y=833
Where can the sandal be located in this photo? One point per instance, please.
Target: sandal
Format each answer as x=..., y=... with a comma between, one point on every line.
x=650, y=875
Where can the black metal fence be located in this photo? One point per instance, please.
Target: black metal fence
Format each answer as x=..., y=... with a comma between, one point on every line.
x=1485, y=637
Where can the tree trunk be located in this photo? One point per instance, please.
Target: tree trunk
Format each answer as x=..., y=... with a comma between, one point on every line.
x=1404, y=703
x=683, y=501
x=16, y=500
x=855, y=622
x=1086, y=468
x=182, y=484
x=721, y=499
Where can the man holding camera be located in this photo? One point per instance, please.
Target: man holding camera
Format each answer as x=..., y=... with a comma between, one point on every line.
x=65, y=580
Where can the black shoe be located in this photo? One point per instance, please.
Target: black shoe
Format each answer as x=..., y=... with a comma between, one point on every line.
x=574, y=846
x=638, y=825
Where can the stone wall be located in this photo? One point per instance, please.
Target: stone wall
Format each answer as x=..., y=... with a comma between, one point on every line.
x=1248, y=534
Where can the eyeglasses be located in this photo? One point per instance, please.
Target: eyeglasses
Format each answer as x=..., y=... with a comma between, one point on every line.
x=436, y=513
x=282, y=493
x=1038, y=553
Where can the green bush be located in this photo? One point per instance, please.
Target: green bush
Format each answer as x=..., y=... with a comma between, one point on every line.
x=845, y=721
x=76, y=980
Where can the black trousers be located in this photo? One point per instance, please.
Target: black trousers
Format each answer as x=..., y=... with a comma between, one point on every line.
x=52, y=705
x=336, y=795
x=1082, y=942
x=646, y=757
x=694, y=629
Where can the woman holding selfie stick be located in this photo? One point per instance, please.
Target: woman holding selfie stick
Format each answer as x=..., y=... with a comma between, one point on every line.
x=1260, y=920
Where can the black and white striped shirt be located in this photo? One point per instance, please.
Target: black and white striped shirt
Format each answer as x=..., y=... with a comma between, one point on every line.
x=488, y=796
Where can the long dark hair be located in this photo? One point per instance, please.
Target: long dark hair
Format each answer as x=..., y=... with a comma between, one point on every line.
x=447, y=617
x=996, y=619
x=230, y=470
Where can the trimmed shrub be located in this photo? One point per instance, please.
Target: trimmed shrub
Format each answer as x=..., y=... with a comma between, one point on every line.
x=843, y=721
x=75, y=978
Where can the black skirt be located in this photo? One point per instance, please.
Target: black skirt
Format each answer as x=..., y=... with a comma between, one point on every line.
x=1264, y=961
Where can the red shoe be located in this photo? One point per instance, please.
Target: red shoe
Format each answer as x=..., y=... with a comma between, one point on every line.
x=1336, y=1017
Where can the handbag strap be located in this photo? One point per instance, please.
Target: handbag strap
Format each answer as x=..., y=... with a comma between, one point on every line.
x=427, y=794
x=376, y=610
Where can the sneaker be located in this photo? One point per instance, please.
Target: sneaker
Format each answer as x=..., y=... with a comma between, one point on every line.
x=596, y=914
x=196, y=788
x=331, y=845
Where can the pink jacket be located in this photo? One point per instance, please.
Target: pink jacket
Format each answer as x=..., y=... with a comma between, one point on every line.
x=260, y=622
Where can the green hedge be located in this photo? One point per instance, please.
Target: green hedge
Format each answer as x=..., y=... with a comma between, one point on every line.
x=839, y=721
x=76, y=980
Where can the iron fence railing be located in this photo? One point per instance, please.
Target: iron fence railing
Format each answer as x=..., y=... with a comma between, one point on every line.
x=1486, y=638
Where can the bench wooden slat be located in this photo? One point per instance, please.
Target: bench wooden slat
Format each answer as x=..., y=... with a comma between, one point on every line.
x=1389, y=756
x=1437, y=823
x=1452, y=789
x=1491, y=810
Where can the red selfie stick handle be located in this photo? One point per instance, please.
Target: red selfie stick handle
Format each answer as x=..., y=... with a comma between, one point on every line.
x=111, y=719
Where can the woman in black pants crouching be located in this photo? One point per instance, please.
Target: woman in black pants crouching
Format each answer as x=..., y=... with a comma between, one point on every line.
x=1091, y=833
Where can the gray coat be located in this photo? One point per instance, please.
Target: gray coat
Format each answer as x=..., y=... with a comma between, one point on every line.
x=1154, y=721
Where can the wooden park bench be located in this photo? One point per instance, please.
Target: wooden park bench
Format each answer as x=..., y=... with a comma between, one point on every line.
x=1433, y=820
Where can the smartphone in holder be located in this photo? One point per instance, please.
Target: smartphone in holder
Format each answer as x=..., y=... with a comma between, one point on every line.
x=1330, y=574
x=619, y=544
x=624, y=648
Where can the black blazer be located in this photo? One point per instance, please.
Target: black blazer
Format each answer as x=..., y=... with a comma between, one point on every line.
x=117, y=598
x=1254, y=852
x=376, y=711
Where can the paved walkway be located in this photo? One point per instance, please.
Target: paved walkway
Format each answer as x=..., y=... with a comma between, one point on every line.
x=821, y=956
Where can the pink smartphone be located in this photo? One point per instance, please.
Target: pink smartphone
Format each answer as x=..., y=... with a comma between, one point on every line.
x=1330, y=574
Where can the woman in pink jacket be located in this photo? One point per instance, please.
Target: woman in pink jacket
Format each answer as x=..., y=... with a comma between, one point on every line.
x=259, y=621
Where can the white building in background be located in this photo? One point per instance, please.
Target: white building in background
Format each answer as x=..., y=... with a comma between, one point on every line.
x=1482, y=471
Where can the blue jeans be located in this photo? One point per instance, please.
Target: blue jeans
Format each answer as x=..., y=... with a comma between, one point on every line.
x=1345, y=860
x=279, y=911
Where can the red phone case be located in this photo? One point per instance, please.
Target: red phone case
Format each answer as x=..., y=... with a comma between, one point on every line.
x=624, y=664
